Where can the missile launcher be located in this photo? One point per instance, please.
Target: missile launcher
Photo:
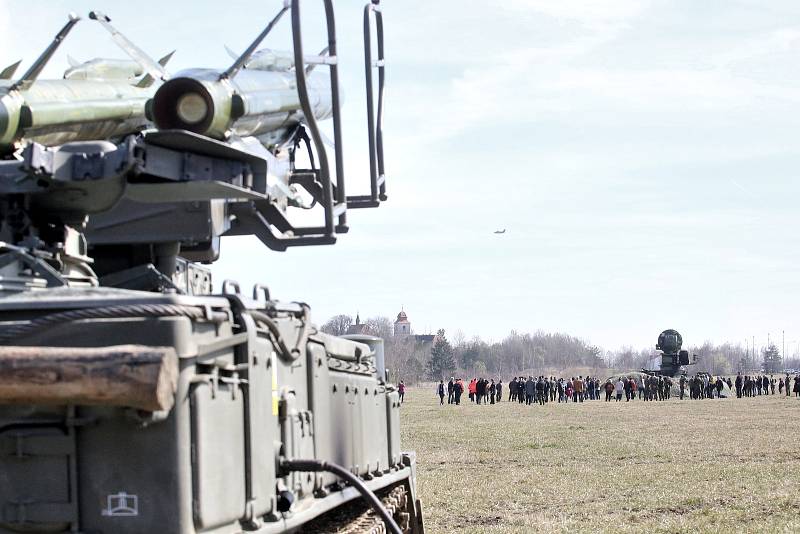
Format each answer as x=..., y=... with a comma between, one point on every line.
x=136, y=394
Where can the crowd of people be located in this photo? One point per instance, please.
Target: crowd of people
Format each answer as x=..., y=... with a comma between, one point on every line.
x=542, y=389
x=479, y=390
x=750, y=386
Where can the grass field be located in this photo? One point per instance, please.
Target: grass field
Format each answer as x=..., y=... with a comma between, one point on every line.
x=674, y=466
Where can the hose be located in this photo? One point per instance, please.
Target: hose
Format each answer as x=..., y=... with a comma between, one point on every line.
x=338, y=470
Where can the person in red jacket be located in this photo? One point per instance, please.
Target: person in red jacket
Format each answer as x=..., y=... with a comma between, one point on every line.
x=473, y=386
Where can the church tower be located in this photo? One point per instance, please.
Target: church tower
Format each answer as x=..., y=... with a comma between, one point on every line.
x=358, y=327
x=401, y=326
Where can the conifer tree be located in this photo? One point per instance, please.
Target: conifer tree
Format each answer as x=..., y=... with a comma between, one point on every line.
x=772, y=359
x=442, y=362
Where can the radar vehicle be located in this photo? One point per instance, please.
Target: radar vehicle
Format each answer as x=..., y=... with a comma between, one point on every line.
x=672, y=357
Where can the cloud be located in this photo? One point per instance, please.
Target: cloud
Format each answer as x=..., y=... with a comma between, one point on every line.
x=603, y=71
x=589, y=12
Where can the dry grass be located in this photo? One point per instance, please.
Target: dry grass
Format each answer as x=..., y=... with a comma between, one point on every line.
x=692, y=466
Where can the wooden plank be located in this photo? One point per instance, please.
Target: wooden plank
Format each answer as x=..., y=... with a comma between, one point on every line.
x=134, y=376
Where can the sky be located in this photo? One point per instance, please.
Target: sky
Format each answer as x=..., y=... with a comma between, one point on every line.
x=641, y=155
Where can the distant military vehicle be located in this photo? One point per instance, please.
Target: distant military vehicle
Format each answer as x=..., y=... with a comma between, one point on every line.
x=135, y=399
x=672, y=357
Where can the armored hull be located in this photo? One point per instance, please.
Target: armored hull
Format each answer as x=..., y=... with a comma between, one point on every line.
x=255, y=382
x=133, y=398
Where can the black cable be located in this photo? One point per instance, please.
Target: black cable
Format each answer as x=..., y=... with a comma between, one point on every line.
x=290, y=354
x=338, y=470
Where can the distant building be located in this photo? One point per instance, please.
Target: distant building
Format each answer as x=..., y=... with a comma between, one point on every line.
x=360, y=328
x=402, y=329
x=402, y=326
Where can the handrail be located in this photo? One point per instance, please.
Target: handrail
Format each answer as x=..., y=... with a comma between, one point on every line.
x=381, y=85
x=326, y=182
x=330, y=195
x=374, y=124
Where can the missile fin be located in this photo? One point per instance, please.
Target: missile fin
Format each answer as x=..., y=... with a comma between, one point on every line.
x=148, y=80
x=9, y=71
x=145, y=81
x=164, y=60
x=72, y=61
x=231, y=53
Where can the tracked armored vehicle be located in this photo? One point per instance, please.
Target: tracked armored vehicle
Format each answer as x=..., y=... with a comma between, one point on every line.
x=137, y=397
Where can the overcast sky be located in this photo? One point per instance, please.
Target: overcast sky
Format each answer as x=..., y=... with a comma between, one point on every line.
x=642, y=157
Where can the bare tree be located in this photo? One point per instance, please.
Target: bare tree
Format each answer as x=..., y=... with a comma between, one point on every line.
x=459, y=338
x=380, y=326
x=337, y=325
x=406, y=359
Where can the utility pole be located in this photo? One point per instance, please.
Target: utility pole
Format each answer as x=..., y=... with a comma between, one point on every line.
x=746, y=354
x=767, y=347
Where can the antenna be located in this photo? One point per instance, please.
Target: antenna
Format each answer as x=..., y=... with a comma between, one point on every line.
x=30, y=76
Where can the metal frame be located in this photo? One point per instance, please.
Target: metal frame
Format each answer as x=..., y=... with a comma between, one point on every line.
x=333, y=190
x=325, y=187
x=374, y=125
x=326, y=183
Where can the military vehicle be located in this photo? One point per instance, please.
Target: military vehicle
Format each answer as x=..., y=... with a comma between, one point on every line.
x=134, y=398
x=672, y=357
x=673, y=360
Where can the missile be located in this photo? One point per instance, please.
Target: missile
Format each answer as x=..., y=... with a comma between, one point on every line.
x=256, y=95
x=53, y=112
x=253, y=103
x=84, y=106
x=103, y=69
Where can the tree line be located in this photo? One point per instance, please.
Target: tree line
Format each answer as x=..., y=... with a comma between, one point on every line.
x=539, y=353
